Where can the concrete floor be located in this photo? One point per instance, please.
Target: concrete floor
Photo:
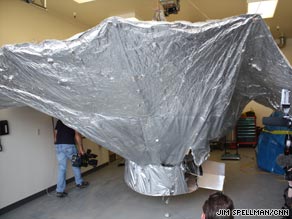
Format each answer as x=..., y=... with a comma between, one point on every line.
x=108, y=197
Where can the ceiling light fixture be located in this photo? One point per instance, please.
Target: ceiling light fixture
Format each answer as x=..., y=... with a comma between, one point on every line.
x=39, y=3
x=83, y=1
x=265, y=8
x=170, y=6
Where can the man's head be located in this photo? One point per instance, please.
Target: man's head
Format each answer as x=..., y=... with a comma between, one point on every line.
x=214, y=203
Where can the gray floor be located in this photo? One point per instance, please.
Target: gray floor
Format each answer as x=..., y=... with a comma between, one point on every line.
x=109, y=198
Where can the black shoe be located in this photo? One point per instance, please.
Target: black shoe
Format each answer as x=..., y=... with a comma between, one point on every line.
x=61, y=194
x=82, y=185
x=121, y=164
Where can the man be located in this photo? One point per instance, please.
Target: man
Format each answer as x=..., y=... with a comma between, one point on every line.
x=65, y=140
x=220, y=204
x=288, y=193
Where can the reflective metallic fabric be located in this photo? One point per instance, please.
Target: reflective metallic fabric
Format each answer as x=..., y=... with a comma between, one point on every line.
x=149, y=91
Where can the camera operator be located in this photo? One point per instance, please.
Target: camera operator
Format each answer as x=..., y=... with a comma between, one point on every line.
x=288, y=192
x=285, y=160
x=65, y=140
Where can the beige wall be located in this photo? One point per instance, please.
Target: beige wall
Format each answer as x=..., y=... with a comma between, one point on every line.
x=287, y=50
x=22, y=22
x=260, y=111
x=28, y=163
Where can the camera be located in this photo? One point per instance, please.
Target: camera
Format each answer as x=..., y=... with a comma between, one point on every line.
x=284, y=160
x=84, y=160
x=288, y=174
x=170, y=6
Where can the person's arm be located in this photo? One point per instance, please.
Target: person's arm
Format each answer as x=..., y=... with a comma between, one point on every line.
x=55, y=136
x=78, y=140
x=290, y=189
x=56, y=130
x=289, y=193
x=288, y=198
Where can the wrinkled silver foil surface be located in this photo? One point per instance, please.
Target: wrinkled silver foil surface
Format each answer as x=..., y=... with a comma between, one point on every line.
x=149, y=91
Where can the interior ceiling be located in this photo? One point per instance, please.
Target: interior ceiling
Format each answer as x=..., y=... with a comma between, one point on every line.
x=92, y=13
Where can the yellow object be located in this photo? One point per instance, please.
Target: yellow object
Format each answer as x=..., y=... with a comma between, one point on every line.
x=278, y=132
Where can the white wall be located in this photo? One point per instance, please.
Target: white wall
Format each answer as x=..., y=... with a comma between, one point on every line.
x=28, y=163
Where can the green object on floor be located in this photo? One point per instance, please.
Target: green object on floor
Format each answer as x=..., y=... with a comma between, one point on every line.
x=227, y=156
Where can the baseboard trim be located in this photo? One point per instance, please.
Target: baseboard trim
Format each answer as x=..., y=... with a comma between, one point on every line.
x=45, y=191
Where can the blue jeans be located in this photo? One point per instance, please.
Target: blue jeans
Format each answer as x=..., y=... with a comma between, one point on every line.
x=64, y=152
